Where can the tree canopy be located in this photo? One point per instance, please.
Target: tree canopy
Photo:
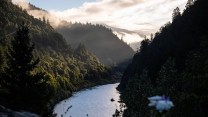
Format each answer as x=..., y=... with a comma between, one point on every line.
x=175, y=61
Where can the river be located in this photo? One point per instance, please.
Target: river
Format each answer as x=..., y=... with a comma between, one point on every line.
x=93, y=102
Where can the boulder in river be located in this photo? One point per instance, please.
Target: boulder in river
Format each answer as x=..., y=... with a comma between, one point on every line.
x=112, y=100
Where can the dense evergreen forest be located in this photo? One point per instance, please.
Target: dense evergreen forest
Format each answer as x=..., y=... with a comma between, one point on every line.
x=98, y=39
x=37, y=66
x=174, y=63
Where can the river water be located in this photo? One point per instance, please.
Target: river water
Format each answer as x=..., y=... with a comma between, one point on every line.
x=93, y=102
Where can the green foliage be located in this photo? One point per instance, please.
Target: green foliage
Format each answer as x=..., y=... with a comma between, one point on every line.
x=168, y=80
x=138, y=88
x=194, y=87
x=20, y=59
x=176, y=64
x=17, y=78
x=34, y=87
x=99, y=39
x=41, y=33
x=2, y=60
x=70, y=72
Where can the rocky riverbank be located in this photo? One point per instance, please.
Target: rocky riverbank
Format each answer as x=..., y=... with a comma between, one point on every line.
x=5, y=112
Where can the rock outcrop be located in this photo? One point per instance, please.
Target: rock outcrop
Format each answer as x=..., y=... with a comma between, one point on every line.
x=5, y=112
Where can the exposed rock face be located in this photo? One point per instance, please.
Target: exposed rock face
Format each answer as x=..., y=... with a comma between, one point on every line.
x=4, y=112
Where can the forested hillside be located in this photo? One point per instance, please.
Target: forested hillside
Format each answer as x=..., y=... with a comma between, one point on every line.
x=51, y=66
x=173, y=63
x=99, y=40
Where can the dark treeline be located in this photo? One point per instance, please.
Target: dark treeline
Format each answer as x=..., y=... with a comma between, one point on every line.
x=172, y=63
x=98, y=39
x=36, y=76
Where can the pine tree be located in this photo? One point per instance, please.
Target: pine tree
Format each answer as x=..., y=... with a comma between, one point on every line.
x=27, y=91
x=176, y=13
x=144, y=45
x=18, y=79
x=189, y=3
x=44, y=20
x=47, y=22
x=167, y=80
x=20, y=59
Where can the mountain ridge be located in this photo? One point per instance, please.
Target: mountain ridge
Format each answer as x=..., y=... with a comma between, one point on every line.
x=65, y=69
x=100, y=40
x=87, y=34
x=172, y=64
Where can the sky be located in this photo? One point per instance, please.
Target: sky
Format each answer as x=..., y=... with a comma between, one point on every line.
x=131, y=20
x=58, y=4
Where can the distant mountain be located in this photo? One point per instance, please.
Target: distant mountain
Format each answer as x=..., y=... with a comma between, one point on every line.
x=99, y=40
x=135, y=46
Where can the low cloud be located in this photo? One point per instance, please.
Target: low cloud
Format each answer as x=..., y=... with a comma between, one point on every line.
x=148, y=15
x=23, y=3
x=142, y=17
x=38, y=13
x=124, y=3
